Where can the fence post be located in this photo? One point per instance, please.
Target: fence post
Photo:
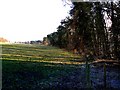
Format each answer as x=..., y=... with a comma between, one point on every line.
x=104, y=67
x=88, y=72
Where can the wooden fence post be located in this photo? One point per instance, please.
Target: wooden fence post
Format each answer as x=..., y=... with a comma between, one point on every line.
x=104, y=67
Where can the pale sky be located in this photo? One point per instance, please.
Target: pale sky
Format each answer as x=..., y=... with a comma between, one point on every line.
x=24, y=20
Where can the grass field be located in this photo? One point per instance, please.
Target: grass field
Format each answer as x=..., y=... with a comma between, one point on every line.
x=38, y=67
x=34, y=66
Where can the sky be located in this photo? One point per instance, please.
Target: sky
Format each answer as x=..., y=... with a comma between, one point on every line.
x=25, y=20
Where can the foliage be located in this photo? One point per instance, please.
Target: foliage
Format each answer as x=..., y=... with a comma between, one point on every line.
x=87, y=30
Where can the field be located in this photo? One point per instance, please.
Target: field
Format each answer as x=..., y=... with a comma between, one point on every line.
x=38, y=67
x=32, y=66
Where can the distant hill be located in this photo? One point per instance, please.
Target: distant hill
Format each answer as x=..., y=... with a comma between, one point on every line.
x=3, y=39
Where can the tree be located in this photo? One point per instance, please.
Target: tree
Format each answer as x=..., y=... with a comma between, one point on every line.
x=86, y=30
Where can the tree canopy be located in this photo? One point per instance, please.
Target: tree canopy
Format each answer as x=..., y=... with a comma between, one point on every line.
x=87, y=30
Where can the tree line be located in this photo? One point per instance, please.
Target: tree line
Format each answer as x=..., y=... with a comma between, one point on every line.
x=91, y=27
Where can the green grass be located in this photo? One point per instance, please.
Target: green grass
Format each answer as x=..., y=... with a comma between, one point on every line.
x=26, y=66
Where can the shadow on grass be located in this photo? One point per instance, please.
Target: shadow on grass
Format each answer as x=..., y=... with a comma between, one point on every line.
x=26, y=75
x=30, y=75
